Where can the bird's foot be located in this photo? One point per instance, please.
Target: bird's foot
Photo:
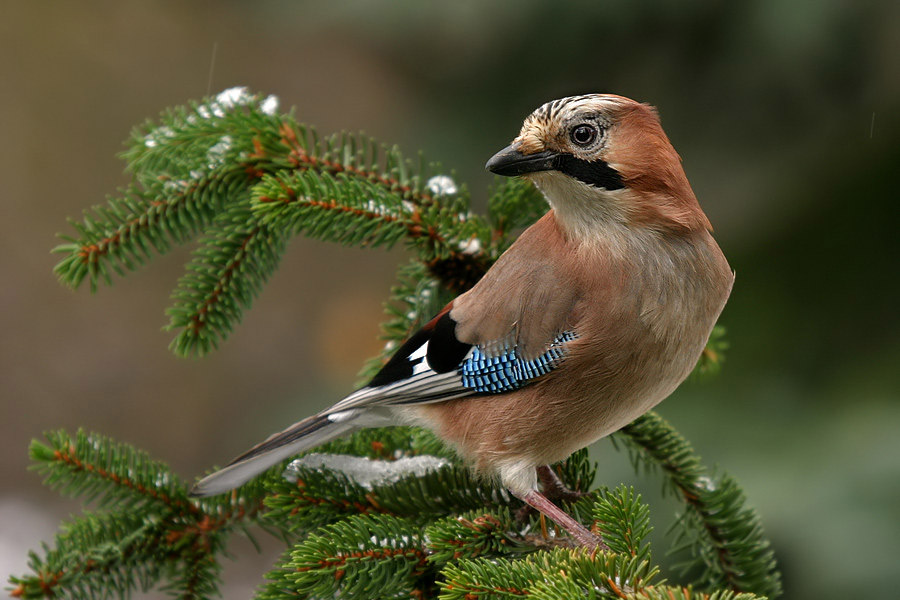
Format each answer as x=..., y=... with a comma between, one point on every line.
x=580, y=535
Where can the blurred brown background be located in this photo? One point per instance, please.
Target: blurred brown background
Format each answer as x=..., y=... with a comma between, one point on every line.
x=786, y=116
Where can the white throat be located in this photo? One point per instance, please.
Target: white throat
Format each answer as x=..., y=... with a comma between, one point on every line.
x=582, y=210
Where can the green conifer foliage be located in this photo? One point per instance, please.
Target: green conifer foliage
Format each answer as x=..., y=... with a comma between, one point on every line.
x=241, y=179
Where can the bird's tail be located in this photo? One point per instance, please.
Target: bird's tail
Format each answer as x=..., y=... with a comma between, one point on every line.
x=306, y=434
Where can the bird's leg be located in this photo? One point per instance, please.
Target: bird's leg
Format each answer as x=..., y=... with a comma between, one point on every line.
x=554, y=488
x=582, y=536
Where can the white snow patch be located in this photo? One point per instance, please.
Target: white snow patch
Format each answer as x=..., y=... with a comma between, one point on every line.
x=158, y=136
x=173, y=185
x=364, y=471
x=442, y=185
x=234, y=96
x=269, y=105
x=216, y=154
x=374, y=207
x=228, y=100
x=470, y=246
x=706, y=483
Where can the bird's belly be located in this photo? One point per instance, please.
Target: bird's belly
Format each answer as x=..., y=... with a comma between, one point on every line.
x=598, y=402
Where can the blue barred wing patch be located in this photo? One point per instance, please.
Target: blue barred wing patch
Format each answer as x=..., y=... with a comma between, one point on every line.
x=508, y=371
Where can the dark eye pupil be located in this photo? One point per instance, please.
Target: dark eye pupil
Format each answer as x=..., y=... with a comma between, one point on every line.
x=583, y=134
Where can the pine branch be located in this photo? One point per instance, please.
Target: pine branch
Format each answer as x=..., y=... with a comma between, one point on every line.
x=233, y=128
x=364, y=556
x=396, y=534
x=115, y=553
x=624, y=522
x=348, y=210
x=359, y=157
x=194, y=171
x=96, y=556
x=665, y=592
x=120, y=236
x=486, y=578
x=324, y=496
x=558, y=574
x=197, y=578
x=226, y=273
x=728, y=542
x=110, y=473
x=471, y=534
x=186, y=169
x=149, y=530
x=334, y=208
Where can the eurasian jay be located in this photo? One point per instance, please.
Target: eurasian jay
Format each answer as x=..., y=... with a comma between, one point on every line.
x=594, y=315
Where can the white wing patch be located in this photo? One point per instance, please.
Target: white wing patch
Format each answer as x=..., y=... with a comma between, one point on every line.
x=337, y=417
x=424, y=386
x=422, y=366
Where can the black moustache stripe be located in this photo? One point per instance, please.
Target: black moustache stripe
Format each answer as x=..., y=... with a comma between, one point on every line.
x=592, y=172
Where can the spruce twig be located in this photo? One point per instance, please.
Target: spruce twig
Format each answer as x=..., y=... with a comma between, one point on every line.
x=726, y=537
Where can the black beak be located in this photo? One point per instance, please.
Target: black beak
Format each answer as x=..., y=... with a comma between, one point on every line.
x=509, y=162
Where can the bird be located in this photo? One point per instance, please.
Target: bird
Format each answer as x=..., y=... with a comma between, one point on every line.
x=594, y=315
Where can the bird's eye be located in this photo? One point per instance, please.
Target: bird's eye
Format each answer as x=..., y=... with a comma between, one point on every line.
x=583, y=135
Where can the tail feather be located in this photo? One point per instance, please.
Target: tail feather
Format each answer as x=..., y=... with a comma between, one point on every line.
x=306, y=434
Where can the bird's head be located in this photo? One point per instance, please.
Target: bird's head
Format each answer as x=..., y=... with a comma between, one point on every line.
x=602, y=159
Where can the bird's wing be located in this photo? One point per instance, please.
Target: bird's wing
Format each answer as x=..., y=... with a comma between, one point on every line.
x=506, y=332
x=434, y=365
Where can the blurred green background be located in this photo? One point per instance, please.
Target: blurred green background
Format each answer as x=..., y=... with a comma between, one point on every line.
x=786, y=116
